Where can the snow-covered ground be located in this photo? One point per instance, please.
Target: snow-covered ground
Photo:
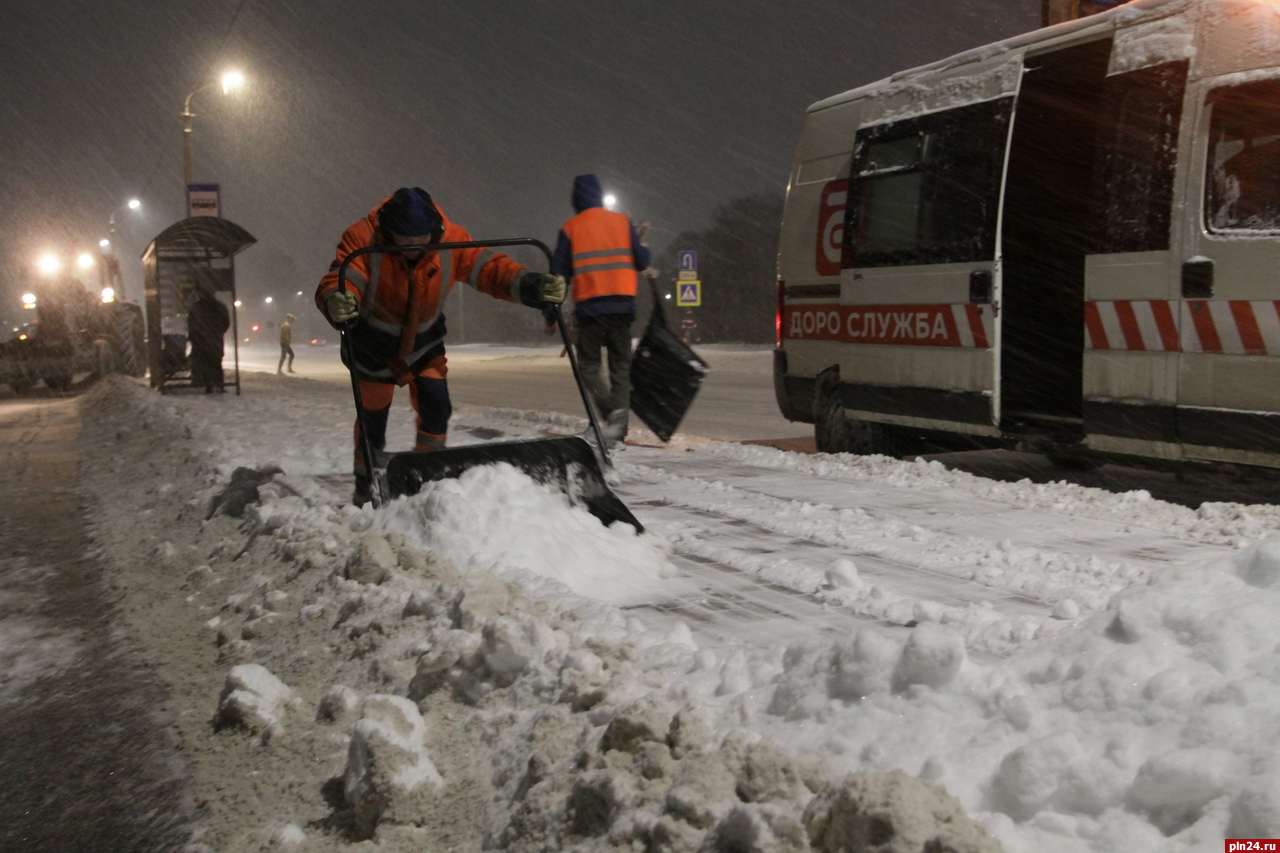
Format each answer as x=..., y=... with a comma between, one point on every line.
x=485, y=665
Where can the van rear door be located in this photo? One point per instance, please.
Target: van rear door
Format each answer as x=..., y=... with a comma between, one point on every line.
x=1229, y=371
x=919, y=255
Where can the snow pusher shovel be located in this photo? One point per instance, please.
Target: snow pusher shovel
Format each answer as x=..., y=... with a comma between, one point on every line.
x=568, y=463
x=665, y=375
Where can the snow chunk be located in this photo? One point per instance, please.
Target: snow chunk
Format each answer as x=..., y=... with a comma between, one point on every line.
x=254, y=699
x=337, y=703
x=1053, y=773
x=843, y=574
x=932, y=656
x=511, y=644
x=891, y=812
x=387, y=761
x=373, y=561
x=1175, y=787
x=1260, y=566
x=863, y=665
x=1255, y=811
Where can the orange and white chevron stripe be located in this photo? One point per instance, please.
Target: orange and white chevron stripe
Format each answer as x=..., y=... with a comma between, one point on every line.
x=1229, y=327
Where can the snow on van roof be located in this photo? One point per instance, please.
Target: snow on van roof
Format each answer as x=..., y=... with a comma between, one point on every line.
x=1112, y=19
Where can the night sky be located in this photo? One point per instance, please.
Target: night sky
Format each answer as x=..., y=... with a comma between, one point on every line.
x=492, y=107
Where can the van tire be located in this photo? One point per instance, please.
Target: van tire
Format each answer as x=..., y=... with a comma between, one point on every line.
x=835, y=432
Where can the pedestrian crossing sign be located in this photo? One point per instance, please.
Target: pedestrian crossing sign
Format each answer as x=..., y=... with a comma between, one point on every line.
x=688, y=294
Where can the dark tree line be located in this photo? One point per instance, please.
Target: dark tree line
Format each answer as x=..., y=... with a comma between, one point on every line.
x=737, y=265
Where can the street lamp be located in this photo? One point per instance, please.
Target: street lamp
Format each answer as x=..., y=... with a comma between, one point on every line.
x=131, y=204
x=231, y=81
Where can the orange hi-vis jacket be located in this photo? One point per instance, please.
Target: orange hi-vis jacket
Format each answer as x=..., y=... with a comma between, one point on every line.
x=602, y=260
x=401, y=325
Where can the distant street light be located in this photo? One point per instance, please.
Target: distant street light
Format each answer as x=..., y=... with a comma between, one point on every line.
x=131, y=204
x=268, y=300
x=49, y=264
x=610, y=200
x=231, y=81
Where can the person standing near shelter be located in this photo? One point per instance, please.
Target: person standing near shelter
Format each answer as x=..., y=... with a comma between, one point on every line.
x=599, y=252
x=207, y=322
x=391, y=308
x=286, y=343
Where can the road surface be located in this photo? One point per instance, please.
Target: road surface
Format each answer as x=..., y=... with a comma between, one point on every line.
x=736, y=402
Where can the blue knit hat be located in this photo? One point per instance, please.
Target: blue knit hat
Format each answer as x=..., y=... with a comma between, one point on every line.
x=409, y=213
x=587, y=192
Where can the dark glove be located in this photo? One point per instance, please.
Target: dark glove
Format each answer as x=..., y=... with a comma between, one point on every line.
x=539, y=288
x=341, y=307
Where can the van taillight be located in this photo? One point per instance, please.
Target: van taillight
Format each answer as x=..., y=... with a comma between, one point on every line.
x=777, y=314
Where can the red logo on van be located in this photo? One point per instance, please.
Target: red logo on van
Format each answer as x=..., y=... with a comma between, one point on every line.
x=831, y=227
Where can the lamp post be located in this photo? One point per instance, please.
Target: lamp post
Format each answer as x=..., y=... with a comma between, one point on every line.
x=109, y=243
x=231, y=81
x=109, y=269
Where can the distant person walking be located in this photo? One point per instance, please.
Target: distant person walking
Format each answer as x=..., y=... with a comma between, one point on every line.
x=598, y=252
x=207, y=322
x=286, y=343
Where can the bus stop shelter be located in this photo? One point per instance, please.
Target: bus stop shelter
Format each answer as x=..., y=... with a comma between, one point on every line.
x=193, y=253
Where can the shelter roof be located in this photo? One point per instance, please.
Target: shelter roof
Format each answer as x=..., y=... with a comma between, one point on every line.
x=200, y=234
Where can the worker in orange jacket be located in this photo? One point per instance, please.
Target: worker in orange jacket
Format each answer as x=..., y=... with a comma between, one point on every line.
x=598, y=252
x=392, y=308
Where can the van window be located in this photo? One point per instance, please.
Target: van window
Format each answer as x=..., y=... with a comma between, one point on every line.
x=926, y=190
x=1242, y=187
x=1138, y=149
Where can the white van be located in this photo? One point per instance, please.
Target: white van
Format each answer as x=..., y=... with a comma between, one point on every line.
x=1067, y=241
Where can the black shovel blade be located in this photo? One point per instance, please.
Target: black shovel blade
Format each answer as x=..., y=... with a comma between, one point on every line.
x=665, y=377
x=567, y=463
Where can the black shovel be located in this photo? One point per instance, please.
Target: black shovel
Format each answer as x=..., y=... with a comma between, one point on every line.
x=569, y=463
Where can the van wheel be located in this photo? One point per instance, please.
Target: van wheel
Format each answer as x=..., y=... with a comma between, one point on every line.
x=836, y=432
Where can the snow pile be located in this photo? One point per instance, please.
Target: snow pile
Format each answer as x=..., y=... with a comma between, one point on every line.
x=474, y=682
x=495, y=519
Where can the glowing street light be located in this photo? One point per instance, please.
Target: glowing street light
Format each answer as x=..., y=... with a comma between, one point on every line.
x=268, y=300
x=84, y=260
x=610, y=201
x=131, y=204
x=231, y=81
x=49, y=264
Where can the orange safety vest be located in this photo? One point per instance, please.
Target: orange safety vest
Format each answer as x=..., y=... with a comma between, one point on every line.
x=401, y=324
x=602, y=263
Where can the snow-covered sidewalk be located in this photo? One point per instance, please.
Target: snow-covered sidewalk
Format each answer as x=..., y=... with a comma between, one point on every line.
x=472, y=668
